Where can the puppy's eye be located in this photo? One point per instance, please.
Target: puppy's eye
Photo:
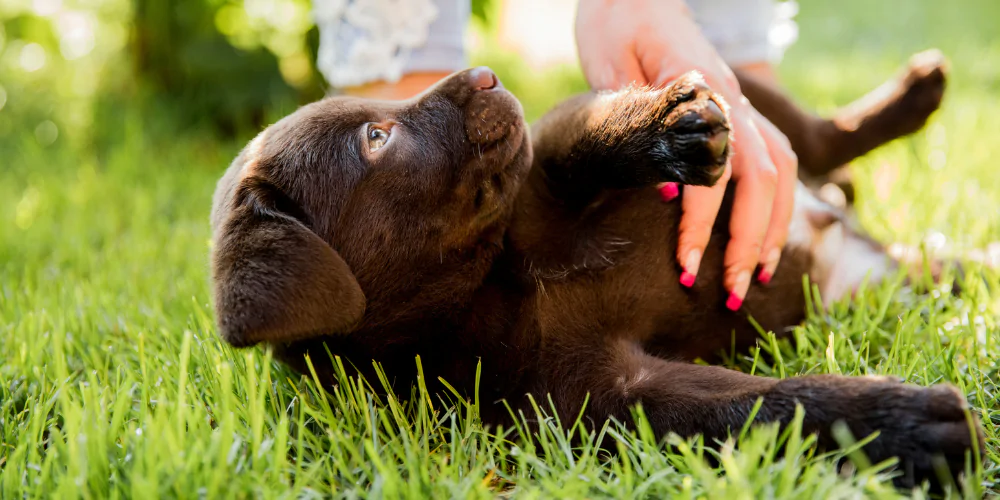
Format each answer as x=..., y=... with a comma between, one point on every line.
x=377, y=138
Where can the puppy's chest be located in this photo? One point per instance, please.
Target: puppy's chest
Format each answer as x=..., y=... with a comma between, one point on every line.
x=617, y=269
x=608, y=235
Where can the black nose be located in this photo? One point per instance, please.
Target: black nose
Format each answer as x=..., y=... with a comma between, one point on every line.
x=483, y=78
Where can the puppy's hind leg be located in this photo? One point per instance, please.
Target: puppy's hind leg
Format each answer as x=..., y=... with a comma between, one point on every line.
x=916, y=424
x=899, y=107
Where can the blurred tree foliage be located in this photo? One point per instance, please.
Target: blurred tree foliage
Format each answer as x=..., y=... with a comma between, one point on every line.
x=178, y=54
x=481, y=9
x=224, y=63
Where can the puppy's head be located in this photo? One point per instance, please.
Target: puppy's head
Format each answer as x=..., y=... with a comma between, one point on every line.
x=353, y=211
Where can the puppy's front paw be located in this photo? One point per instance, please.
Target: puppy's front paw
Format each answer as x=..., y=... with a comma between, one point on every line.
x=925, y=427
x=696, y=131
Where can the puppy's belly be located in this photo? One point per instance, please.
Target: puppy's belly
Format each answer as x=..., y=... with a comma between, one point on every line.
x=640, y=295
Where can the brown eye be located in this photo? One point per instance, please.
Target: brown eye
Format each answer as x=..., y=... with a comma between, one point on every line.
x=377, y=138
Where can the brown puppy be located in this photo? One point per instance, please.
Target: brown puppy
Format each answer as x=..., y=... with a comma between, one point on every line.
x=380, y=231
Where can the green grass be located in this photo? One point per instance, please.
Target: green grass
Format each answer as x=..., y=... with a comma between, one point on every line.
x=113, y=382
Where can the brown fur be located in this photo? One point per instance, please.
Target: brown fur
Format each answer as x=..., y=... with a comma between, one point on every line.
x=549, y=260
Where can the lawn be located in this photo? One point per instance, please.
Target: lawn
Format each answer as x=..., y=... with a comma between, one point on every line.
x=113, y=382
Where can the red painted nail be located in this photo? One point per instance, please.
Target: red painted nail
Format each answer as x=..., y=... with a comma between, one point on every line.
x=687, y=279
x=734, y=302
x=764, y=276
x=669, y=191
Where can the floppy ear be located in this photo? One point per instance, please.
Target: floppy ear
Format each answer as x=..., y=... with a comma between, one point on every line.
x=275, y=280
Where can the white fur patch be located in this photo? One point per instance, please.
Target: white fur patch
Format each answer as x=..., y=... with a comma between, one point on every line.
x=842, y=259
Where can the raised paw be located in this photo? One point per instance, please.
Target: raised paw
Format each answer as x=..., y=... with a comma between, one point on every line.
x=697, y=130
x=636, y=137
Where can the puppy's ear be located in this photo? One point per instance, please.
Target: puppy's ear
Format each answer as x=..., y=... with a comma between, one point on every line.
x=275, y=280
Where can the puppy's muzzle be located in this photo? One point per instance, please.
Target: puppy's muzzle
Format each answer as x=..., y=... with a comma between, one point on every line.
x=491, y=110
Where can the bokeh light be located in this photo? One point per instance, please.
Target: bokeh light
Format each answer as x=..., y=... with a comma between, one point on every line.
x=46, y=132
x=46, y=8
x=32, y=57
x=76, y=30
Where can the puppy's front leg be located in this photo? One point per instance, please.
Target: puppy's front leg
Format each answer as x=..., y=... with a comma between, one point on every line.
x=633, y=138
x=915, y=424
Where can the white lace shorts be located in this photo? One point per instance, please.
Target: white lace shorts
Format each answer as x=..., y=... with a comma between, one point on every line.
x=363, y=41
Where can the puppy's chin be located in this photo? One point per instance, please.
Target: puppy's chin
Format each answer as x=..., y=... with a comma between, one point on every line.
x=504, y=168
x=499, y=153
x=492, y=179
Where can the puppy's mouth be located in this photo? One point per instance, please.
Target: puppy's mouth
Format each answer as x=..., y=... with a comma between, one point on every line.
x=493, y=120
x=504, y=141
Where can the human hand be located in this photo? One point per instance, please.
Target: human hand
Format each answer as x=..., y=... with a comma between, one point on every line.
x=652, y=42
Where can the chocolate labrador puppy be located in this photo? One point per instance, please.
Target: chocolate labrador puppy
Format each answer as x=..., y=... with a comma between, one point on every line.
x=438, y=227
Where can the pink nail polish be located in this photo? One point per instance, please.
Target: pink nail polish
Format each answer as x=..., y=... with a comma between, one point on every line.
x=687, y=279
x=764, y=276
x=669, y=191
x=734, y=302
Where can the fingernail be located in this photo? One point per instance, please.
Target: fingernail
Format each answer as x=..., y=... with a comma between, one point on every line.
x=691, y=264
x=768, y=265
x=669, y=191
x=687, y=279
x=764, y=276
x=739, y=291
x=734, y=303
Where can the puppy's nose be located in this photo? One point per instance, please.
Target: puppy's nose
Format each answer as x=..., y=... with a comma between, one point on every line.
x=483, y=78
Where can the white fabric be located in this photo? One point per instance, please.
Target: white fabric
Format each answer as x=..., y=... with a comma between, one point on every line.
x=747, y=31
x=368, y=40
x=363, y=41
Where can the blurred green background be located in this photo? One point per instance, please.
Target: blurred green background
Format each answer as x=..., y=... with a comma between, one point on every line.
x=112, y=107
x=81, y=81
x=118, y=116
